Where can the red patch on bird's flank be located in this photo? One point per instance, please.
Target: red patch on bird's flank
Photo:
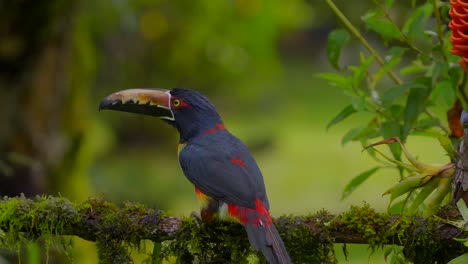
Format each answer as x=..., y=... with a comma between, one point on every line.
x=256, y=217
x=200, y=196
x=218, y=127
x=197, y=191
x=238, y=162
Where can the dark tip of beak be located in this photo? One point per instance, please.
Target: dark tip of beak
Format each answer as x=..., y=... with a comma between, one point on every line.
x=107, y=103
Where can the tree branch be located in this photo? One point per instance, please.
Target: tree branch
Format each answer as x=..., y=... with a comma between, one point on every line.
x=309, y=239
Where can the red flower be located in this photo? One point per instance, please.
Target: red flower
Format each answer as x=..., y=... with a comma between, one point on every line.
x=459, y=27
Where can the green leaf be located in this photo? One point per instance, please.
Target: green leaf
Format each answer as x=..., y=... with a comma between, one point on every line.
x=436, y=72
x=425, y=191
x=392, y=129
x=414, y=107
x=357, y=181
x=336, y=40
x=415, y=24
x=388, y=250
x=33, y=252
x=347, y=111
x=463, y=259
x=377, y=22
x=395, y=52
x=359, y=72
x=351, y=134
x=358, y=103
x=362, y=132
x=396, y=111
x=156, y=256
x=444, y=141
x=396, y=254
x=390, y=62
x=389, y=3
x=391, y=94
x=463, y=209
x=399, y=258
x=426, y=123
x=444, y=91
x=336, y=80
x=455, y=74
x=408, y=196
x=396, y=208
x=415, y=67
x=345, y=251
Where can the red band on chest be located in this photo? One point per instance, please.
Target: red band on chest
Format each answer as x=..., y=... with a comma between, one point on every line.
x=218, y=127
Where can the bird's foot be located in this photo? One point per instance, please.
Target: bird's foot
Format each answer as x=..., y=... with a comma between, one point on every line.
x=197, y=217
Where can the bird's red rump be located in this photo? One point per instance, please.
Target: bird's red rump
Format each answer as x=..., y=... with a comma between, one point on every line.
x=218, y=127
x=256, y=217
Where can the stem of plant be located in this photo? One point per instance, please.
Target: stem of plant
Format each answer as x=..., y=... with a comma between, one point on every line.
x=402, y=35
x=461, y=91
x=440, y=33
x=352, y=29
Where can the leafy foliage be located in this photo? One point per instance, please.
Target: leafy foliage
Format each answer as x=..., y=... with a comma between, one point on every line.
x=336, y=40
x=403, y=91
x=398, y=108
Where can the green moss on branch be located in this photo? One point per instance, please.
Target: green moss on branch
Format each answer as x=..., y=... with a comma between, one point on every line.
x=309, y=239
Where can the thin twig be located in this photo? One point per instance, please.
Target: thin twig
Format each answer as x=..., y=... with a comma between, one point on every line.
x=402, y=35
x=440, y=33
x=461, y=90
x=351, y=28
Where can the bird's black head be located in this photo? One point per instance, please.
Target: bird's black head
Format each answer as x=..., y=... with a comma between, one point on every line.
x=189, y=111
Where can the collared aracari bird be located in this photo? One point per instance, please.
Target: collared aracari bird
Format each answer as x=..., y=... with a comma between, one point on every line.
x=227, y=179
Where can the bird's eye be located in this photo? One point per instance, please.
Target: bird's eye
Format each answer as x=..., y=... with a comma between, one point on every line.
x=176, y=102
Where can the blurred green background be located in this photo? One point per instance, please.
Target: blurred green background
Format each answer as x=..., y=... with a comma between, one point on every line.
x=255, y=59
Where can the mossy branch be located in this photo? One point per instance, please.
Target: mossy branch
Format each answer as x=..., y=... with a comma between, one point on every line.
x=309, y=239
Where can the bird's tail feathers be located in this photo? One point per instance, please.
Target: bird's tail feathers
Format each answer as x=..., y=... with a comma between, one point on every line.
x=268, y=241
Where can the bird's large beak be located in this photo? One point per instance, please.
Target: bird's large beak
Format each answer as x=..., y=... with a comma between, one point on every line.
x=154, y=102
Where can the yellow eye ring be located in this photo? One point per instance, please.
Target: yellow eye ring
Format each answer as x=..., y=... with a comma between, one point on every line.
x=176, y=102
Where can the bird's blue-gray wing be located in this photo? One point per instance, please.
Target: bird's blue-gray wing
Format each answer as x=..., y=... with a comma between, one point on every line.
x=225, y=171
